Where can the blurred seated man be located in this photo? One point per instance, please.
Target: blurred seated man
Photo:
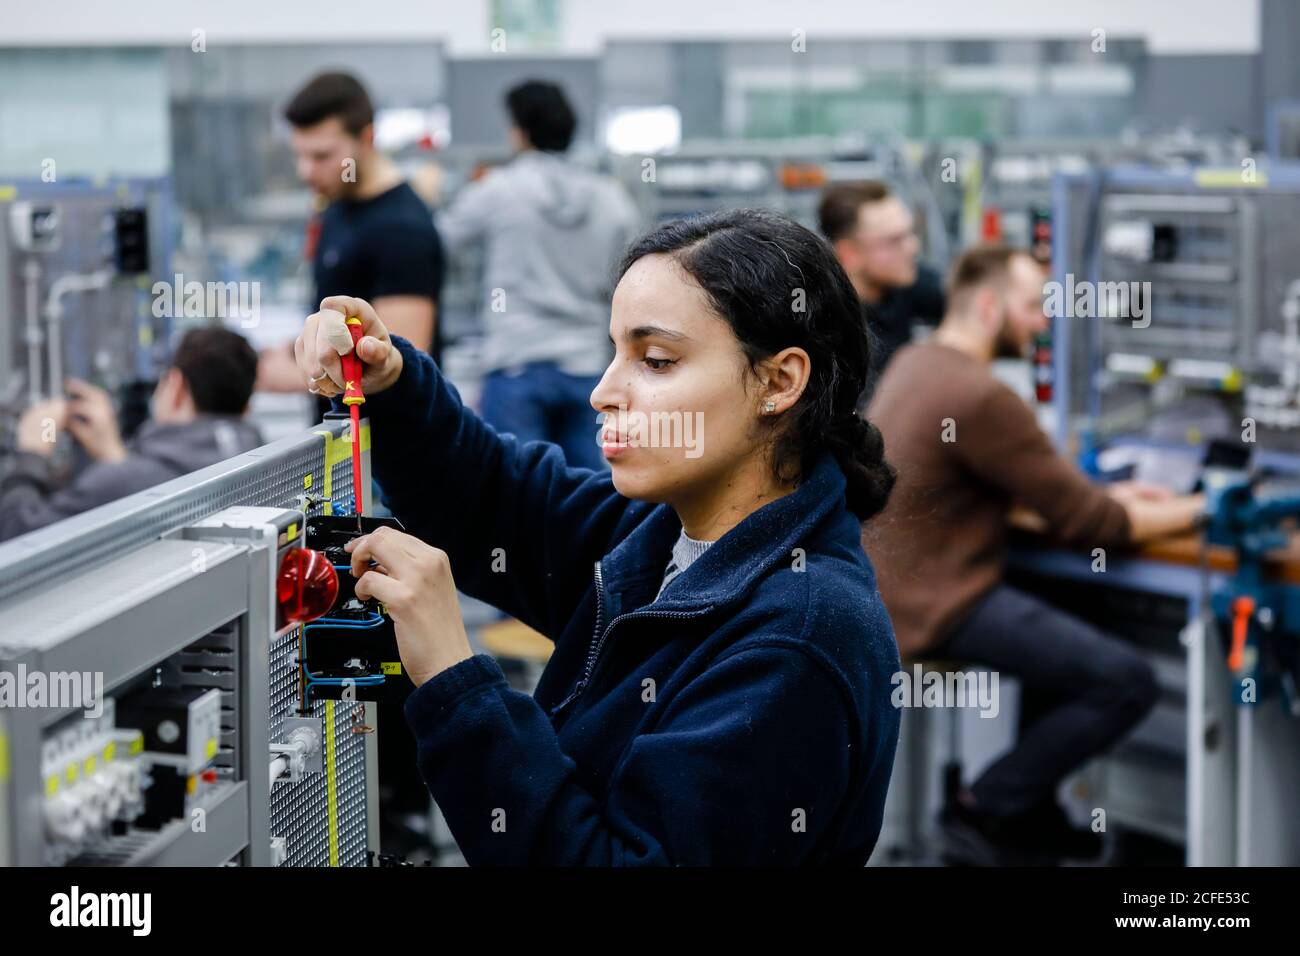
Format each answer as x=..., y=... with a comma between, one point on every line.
x=874, y=238
x=196, y=420
x=966, y=447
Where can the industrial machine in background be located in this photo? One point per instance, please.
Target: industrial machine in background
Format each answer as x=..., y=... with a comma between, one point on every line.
x=1017, y=176
x=1176, y=309
x=786, y=175
x=182, y=606
x=1172, y=300
x=78, y=261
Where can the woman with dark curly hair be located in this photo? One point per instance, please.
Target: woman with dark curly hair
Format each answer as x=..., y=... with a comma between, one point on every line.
x=719, y=689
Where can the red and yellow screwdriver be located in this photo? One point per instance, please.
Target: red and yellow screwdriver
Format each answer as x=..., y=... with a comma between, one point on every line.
x=354, y=398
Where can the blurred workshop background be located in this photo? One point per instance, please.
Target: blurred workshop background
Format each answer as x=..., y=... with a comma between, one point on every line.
x=121, y=104
x=149, y=185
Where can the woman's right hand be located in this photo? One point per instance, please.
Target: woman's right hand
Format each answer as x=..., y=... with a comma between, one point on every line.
x=325, y=337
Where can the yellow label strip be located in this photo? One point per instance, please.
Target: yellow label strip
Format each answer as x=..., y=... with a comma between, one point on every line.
x=337, y=451
x=1230, y=179
x=327, y=472
x=330, y=771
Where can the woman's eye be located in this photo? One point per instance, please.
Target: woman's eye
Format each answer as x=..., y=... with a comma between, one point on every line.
x=658, y=364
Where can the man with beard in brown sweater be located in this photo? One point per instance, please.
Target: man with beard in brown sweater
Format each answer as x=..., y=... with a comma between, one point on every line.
x=966, y=448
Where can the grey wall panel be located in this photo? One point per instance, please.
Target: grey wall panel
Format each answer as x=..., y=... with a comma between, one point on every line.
x=1279, y=38
x=699, y=88
x=476, y=89
x=1215, y=92
x=396, y=74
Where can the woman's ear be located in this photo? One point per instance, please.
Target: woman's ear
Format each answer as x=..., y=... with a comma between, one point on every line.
x=785, y=377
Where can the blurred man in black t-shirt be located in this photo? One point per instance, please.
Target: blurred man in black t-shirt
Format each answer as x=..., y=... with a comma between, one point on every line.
x=872, y=234
x=375, y=238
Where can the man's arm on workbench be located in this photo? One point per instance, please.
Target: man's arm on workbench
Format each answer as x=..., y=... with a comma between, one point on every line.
x=1151, y=516
x=1154, y=512
x=521, y=528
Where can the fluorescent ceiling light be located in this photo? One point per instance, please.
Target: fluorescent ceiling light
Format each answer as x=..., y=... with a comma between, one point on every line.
x=643, y=129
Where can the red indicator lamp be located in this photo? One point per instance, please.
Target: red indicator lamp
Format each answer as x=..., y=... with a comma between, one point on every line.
x=305, y=588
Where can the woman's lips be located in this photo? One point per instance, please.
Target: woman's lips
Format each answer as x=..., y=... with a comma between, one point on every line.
x=612, y=446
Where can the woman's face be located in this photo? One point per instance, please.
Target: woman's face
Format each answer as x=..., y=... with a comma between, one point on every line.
x=680, y=410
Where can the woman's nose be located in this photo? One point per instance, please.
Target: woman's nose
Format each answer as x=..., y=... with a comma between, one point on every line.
x=606, y=395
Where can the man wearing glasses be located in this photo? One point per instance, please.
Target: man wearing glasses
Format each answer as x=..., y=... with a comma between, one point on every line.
x=871, y=232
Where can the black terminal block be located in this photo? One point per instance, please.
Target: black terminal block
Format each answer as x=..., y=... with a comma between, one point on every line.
x=350, y=653
x=182, y=729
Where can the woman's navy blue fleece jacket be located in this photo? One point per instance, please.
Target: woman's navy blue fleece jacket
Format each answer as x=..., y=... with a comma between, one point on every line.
x=743, y=718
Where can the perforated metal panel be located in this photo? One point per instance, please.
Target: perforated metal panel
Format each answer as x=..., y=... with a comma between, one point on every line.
x=300, y=812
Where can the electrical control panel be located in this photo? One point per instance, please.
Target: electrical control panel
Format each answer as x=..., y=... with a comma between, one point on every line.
x=76, y=264
x=205, y=752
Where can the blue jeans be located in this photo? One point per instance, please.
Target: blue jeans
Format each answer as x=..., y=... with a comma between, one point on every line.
x=539, y=402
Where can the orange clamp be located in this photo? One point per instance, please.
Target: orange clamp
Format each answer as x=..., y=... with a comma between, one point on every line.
x=1243, y=608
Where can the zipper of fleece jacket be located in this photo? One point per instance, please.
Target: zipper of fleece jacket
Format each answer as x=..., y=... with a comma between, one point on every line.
x=599, y=637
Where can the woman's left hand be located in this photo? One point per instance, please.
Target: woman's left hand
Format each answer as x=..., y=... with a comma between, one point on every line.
x=414, y=582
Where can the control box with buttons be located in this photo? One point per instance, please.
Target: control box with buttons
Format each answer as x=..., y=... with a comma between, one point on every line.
x=181, y=727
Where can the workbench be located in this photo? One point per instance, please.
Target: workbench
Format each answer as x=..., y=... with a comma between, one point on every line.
x=1241, y=764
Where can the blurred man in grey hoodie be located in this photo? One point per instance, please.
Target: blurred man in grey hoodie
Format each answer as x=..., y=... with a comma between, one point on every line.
x=552, y=231
x=196, y=420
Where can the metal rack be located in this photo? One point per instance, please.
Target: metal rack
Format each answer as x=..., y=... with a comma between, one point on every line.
x=1215, y=248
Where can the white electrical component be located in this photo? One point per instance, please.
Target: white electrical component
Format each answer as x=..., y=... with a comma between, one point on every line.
x=93, y=779
x=34, y=227
x=299, y=754
x=1132, y=239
